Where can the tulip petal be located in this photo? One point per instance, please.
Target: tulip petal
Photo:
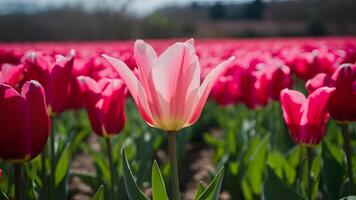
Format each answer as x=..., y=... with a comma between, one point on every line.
x=113, y=108
x=170, y=66
x=315, y=114
x=342, y=106
x=205, y=89
x=13, y=140
x=319, y=80
x=292, y=102
x=91, y=96
x=133, y=85
x=11, y=73
x=37, y=116
x=145, y=57
x=59, y=83
x=126, y=75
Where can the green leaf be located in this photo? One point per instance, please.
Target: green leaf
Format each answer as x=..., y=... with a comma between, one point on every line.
x=332, y=170
x=133, y=191
x=274, y=188
x=213, y=190
x=253, y=180
x=158, y=187
x=99, y=195
x=201, y=188
x=3, y=196
x=87, y=178
x=349, y=198
x=62, y=165
x=282, y=168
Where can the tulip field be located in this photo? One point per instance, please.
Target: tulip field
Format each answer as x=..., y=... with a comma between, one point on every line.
x=200, y=119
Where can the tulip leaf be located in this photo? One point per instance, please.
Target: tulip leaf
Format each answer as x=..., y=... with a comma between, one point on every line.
x=253, y=180
x=87, y=178
x=62, y=165
x=213, y=190
x=332, y=170
x=158, y=187
x=132, y=189
x=99, y=195
x=201, y=188
x=275, y=188
x=3, y=196
x=281, y=167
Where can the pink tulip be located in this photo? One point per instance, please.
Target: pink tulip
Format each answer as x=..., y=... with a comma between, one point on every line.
x=168, y=92
x=306, y=117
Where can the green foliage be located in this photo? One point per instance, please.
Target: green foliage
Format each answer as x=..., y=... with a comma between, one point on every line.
x=332, y=171
x=132, y=189
x=275, y=188
x=158, y=187
x=99, y=195
x=212, y=191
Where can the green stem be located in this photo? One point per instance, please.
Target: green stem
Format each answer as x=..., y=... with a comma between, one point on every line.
x=44, y=176
x=53, y=160
x=173, y=163
x=348, y=151
x=111, y=165
x=18, y=181
x=310, y=180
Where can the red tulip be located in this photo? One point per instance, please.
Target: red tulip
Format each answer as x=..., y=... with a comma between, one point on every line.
x=342, y=106
x=308, y=64
x=10, y=56
x=227, y=89
x=254, y=88
x=11, y=74
x=279, y=78
x=306, y=117
x=104, y=101
x=54, y=75
x=24, y=122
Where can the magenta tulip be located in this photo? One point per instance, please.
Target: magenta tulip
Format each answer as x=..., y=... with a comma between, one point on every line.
x=105, y=104
x=306, y=117
x=342, y=106
x=24, y=122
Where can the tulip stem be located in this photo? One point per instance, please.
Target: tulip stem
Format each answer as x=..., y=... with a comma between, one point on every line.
x=53, y=160
x=18, y=181
x=310, y=180
x=44, y=176
x=173, y=162
x=348, y=151
x=111, y=165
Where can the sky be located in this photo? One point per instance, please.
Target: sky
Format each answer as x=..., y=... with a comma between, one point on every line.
x=137, y=7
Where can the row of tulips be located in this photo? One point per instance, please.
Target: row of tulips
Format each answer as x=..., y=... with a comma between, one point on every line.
x=170, y=91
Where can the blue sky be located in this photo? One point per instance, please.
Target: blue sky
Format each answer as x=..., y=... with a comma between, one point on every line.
x=138, y=7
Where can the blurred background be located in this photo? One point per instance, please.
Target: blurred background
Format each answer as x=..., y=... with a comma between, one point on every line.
x=58, y=20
